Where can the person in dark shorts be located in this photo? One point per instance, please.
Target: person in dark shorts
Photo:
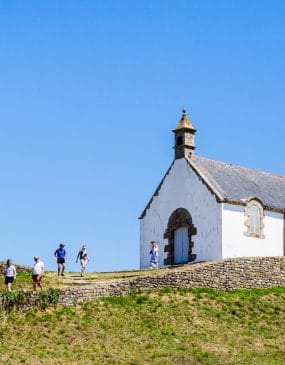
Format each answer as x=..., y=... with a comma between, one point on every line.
x=60, y=255
x=10, y=274
x=38, y=271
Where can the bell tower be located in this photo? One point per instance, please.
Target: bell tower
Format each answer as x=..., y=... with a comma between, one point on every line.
x=184, y=137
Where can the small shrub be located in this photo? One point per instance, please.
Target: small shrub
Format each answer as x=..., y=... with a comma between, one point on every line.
x=47, y=298
x=13, y=299
x=142, y=299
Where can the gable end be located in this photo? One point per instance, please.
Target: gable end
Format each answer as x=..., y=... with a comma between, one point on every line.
x=156, y=192
x=205, y=181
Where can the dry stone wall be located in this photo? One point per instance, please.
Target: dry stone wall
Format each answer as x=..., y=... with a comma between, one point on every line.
x=228, y=274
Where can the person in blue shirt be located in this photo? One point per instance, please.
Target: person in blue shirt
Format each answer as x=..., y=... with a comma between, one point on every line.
x=60, y=254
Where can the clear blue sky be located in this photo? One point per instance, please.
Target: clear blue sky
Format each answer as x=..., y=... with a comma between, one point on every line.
x=90, y=91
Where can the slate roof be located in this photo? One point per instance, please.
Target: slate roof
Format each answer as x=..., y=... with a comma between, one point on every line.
x=236, y=184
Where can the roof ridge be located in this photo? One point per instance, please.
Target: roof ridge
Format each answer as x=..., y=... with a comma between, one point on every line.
x=239, y=166
x=215, y=188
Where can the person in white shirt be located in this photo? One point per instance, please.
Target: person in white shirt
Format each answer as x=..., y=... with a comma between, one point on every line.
x=38, y=271
x=10, y=274
x=83, y=256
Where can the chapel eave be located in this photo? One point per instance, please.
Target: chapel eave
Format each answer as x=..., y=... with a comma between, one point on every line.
x=215, y=189
x=235, y=184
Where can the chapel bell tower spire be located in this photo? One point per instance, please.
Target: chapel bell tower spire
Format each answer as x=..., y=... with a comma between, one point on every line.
x=184, y=137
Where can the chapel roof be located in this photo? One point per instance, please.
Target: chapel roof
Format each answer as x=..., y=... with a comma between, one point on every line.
x=236, y=184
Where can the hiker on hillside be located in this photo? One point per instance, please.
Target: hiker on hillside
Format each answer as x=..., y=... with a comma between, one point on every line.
x=60, y=254
x=154, y=255
x=9, y=274
x=83, y=256
x=38, y=271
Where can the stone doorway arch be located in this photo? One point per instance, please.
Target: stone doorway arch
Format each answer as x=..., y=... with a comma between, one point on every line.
x=178, y=219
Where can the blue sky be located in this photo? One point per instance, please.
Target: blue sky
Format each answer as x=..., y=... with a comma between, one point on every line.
x=90, y=91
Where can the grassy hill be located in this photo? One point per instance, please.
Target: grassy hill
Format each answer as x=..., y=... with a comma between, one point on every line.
x=162, y=327
x=71, y=279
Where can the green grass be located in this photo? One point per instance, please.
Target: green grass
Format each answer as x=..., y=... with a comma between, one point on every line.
x=163, y=327
x=71, y=279
x=24, y=281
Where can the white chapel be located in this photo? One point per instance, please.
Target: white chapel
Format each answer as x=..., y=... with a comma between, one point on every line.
x=205, y=209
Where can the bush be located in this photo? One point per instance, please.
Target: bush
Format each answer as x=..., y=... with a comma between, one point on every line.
x=18, y=299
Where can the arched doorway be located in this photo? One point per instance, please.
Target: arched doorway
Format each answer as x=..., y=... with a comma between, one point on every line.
x=179, y=232
x=181, y=245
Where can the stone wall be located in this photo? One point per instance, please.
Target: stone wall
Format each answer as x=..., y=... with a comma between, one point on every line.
x=228, y=274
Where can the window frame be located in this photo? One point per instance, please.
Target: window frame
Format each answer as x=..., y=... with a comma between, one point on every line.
x=250, y=232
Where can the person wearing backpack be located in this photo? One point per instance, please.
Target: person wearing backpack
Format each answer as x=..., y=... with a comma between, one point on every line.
x=83, y=257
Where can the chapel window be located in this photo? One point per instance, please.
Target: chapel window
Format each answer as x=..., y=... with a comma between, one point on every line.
x=254, y=219
x=179, y=141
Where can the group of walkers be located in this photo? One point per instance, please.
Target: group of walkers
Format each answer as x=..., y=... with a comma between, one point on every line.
x=10, y=271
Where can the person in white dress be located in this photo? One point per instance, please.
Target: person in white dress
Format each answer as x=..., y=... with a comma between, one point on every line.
x=154, y=255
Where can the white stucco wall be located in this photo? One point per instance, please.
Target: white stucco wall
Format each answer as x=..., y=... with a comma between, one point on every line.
x=236, y=244
x=183, y=189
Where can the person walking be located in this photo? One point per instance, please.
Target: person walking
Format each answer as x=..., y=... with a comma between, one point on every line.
x=83, y=257
x=60, y=254
x=9, y=274
x=38, y=271
x=154, y=255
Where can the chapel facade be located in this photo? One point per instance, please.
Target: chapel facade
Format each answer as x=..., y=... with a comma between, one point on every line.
x=205, y=209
